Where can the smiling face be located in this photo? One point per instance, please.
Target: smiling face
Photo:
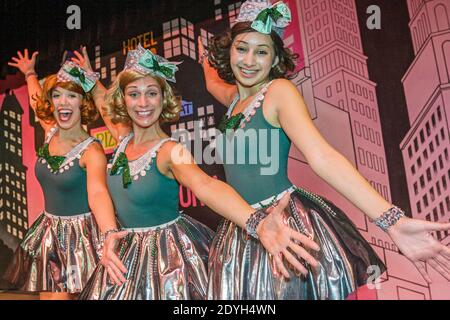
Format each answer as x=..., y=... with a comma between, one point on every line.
x=252, y=56
x=67, y=106
x=144, y=101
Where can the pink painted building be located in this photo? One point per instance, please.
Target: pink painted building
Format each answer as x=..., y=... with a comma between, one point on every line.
x=426, y=146
x=343, y=104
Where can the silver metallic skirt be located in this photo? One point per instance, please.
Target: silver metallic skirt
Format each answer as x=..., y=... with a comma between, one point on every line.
x=58, y=254
x=166, y=262
x=240, y=268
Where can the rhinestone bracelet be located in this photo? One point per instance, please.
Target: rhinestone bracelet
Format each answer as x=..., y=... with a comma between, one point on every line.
x=389, y=218
x=253, y=222
x=103, y=237
x=203, y=57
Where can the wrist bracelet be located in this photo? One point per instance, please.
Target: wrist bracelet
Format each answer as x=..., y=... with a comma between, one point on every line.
x=102, y=239
x=203, y=57
x=253, y=222
x=389, y=218
x=30, y=73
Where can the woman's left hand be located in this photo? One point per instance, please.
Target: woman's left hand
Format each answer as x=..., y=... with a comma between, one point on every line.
x=413, y=238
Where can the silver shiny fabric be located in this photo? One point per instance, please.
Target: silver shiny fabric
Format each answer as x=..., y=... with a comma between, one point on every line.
x=163, y=263
x=241, y=269
x=58, y=254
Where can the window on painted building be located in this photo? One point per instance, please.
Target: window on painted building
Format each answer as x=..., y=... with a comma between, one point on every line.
x=233, y=11
x=442, y=134
x=434, y=166
x=441, y=209
x=416, y=188
x=436, y=138
x=433, y=120
x=419, y=207
x=441, y=163
x=428, y=175
x=431, y=191
x=438, y=188
x=422, y=136
x=428, y=129
x=439, y=114
x=413, y=169
x=435, y=214
x=444, y=182
x=416, y=145
x=425, y=201
x=410, y=152
x=20, y=235
x=447, y=202
x=431, y=145
x=425, y=154
x=419, y=162
x=422, y=181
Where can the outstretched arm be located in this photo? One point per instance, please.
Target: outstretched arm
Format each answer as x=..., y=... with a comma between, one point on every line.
x=98, y=92
x=287, y=108
x=274, y=235
x=218, y=88
x=100, y=202
x=26, y=65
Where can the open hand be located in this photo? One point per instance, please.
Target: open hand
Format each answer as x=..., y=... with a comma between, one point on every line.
x=82, y=59
x=23, y=62
x=115, y=268
x=413, y=238
x=277, y=238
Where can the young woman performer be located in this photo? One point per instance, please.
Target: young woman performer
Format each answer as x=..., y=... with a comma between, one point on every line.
x=166, y=252
x=246, y=70
x=58, y=253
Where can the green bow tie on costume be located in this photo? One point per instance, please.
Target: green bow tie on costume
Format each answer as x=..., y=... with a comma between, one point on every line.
x=80, y=78
x=164, y=69
x=121, y=167
x=230, y=123
x=266, y=19
x=53, y=161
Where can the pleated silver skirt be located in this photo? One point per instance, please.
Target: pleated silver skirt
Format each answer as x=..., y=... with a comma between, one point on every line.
x=240, y=268
x=167, y=262
x=58, y=254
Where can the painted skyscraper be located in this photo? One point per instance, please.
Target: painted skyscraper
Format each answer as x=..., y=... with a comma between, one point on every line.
x=13, y=193
x=343, y=104
x=426, y=146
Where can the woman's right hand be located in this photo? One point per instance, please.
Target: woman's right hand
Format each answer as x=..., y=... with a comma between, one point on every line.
x=82, y=59
x=110, y=260
x=281, y=241
x=23, y=62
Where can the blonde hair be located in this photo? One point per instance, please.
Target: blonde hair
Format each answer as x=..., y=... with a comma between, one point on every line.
x=45, y=107
x=116, y=109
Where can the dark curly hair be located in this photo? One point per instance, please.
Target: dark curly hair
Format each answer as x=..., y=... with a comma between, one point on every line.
x=219, y=54
x=45, y=107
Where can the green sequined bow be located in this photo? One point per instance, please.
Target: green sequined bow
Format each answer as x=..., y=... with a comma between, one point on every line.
x=87, y=82
x=164, y=69
x=230, y=123
x=121, y=167
x=268, y=17
x=53, y=161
